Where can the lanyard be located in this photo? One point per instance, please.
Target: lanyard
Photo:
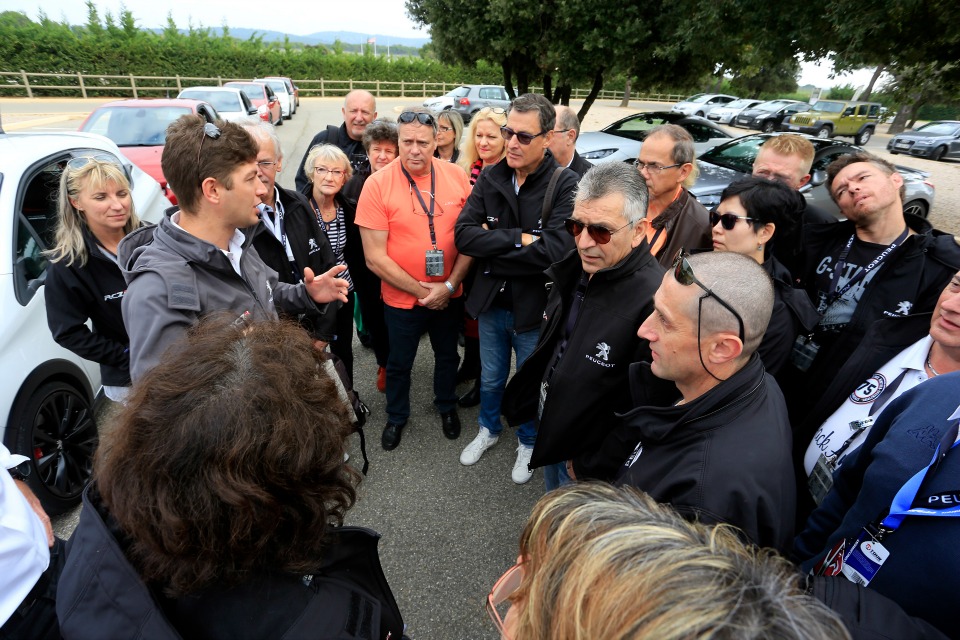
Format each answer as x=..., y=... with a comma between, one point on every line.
x=433, y=199
x=842, y=262
x=900, y=508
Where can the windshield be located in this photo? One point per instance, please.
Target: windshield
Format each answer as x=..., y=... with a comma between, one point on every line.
x=940, y=128
x=134, y=127
x=737, y=155
x=825, y=106
x=221, y=100
x=700, y=97
x=739, y=104
x=772, y=105
x=252, y=91
x=459, y=92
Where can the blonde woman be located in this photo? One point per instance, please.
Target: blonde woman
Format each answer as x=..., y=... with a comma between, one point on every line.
x=84, y=281
x=449, y=134
x=485, y=145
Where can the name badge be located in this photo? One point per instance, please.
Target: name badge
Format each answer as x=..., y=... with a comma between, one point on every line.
x=804, y=352
x=864, y=559
x=821, y=479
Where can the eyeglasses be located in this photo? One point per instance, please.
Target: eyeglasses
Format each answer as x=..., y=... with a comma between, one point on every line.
x=653, y=166
x=561, y=130
x=505, y=587
x=323, y=171
x=727, y=220
x=409, y=116
x=266, y=164
x=599, y=233
x=81, y=161
x=210, y=130
x=683, y=273
x=427, y=197
x=523, y=138
x=444, y=129
x=500, y=111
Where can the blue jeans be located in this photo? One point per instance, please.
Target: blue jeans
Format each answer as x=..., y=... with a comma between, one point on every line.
x=405, y=326
x=555, y=475
x=497, y=338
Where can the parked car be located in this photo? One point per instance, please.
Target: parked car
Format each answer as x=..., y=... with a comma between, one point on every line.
x=288, y=101
x=292, y=89
x=48, y=393
x=139, y=128
x=444, y=102
x=620, y=141
x=724, y=163
x=231, y=103
x=729, y=111
x=829, y=118
x=768, y=115
x=263, y=98
x=470, y=98
x=934, y=140
x=702, y=104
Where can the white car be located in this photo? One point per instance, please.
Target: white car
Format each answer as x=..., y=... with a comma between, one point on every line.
x=48, y=393
x=232, y=104
x=288, y=102
x=726, y=113
x=701, y=104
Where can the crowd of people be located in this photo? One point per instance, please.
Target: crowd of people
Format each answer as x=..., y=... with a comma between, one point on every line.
x=745, y=417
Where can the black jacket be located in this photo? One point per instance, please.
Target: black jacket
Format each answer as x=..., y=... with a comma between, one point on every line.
x=723, y=457
x=915, y=273
x=792, y=313
x=500, y=257
x=310, y=248
x=590, y=384
x=94, y=291
x=687, y=224
x=355, y=153
x=578, y=165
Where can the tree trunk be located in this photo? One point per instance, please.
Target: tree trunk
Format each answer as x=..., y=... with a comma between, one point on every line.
x=915, y=112
x=625, y=102
x=873, y=81
x=592, y=96
x=523, y=82
x=548, y=88
x=507, y=79
x=565, y=92
x=897, y=126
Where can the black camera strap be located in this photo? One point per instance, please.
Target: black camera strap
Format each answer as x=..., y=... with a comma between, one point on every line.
x=433, y=199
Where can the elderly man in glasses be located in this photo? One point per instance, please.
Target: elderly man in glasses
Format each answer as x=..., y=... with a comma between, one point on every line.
x=575, y=381
x=513, y=224
x=667, y=162
x=199, y=260
x=406, y=216
x=716, y=442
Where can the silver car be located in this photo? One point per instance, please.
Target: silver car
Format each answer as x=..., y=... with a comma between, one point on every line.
x=726, y=113
x=470, y=98
x=723, y=164
x=702, y=104
x=620, y=141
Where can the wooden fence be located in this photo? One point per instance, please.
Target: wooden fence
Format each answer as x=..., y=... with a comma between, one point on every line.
x=33, y=85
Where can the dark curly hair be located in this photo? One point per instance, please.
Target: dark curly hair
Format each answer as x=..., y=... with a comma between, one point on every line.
x=228, y=458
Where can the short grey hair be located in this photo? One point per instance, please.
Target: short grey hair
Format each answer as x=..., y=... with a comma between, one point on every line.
x=536, y=102
x=615, y=177
x=683, y=150
x=261, y=130
x=744, y=285
x=420, y=110
x=567, y=119
x=380, y=130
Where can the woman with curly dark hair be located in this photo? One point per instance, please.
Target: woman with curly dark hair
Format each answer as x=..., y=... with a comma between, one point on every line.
x=217, y=499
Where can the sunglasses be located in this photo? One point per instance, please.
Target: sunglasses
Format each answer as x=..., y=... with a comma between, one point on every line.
x=727, y=220
x=523, y=138
x=600, y=234
x=81, y=161
x=505, y=587
x=212, y=131
x=409, y=116
x=683, y=273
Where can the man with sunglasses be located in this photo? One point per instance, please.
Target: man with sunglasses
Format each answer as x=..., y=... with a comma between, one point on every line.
x=715, y=444
x=575, y=381
x=198, y=260
x=513, y=224
x=406, y=216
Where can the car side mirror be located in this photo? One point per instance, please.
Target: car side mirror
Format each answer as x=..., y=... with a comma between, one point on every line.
x=252, y=111
x=817, y=178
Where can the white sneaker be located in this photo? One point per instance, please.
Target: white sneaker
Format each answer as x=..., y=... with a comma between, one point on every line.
x=521, y=468
x=472, y=452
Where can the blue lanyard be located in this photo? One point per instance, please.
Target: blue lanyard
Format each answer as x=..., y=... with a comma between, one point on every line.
x=900, y=508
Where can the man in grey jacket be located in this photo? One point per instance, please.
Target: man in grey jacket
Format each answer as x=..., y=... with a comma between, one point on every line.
x=197, y=261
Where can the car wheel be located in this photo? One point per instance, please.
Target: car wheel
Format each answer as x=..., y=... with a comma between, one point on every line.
x=279, y=123
x=699, y=113
x=917, y=208
x=938, y=153
x=767, y=126
x=56, y=428
x=863, y=137
x=823, y=132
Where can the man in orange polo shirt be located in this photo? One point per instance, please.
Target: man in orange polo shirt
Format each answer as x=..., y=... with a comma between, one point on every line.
x=406, y=215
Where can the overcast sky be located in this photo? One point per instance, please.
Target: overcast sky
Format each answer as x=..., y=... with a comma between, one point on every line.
x=385, y=17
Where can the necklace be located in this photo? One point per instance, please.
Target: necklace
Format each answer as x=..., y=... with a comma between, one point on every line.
x=930, y=366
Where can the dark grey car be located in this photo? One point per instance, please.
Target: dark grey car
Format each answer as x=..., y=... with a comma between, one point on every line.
x=470, y=98
x=724, y=163
x=768, y=115
x=934, y=140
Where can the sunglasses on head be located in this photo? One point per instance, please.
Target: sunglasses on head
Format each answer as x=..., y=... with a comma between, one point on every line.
x=727, y=220
x=683, y=272
x=600, y=234
x=523, y=138
x=409, y=116
x=211, y=131
x=81, y=161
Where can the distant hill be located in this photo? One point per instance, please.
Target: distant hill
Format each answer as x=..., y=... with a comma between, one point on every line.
x=322, y=37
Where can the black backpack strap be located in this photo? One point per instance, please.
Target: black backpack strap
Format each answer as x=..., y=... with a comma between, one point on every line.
x=333, y=134
x=548, y=197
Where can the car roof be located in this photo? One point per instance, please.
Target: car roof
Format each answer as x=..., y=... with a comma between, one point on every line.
x=43, y=143
x=229, y=89
x=140, y=103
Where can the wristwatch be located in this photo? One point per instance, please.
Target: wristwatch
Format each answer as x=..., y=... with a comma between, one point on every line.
x=21, y=471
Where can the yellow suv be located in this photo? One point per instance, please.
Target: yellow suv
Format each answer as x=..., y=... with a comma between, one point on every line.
x=829, y=118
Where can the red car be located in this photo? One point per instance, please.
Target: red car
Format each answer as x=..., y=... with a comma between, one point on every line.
x=263, y=98
x=139, y=128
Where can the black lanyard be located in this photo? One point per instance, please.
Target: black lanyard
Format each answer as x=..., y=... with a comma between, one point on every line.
x=835, y=293
x=433, y=199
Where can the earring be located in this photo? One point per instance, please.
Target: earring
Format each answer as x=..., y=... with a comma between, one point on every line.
x=759, y=247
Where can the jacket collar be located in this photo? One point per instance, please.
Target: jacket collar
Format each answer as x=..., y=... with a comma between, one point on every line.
x=503, y=172
x=668, y=216
x=570, y=267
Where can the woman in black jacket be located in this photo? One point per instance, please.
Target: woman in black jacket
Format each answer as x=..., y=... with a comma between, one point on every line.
x=751, y=211
x=83, y=281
